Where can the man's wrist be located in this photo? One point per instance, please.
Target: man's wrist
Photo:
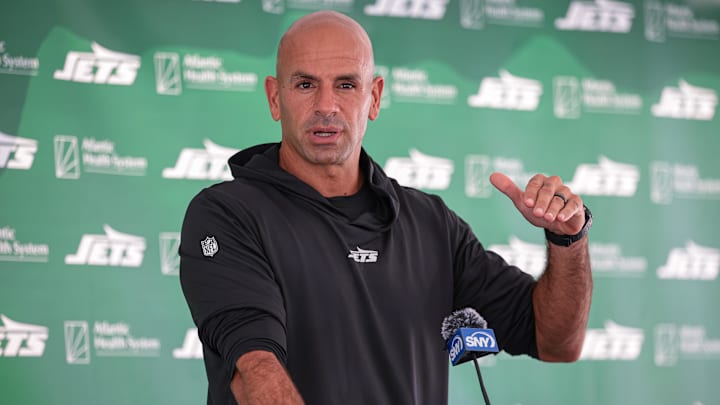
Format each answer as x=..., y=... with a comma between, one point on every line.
x=567, y=240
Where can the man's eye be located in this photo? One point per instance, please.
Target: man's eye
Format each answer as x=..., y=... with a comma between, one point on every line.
x=347, y=86
x=304, y=85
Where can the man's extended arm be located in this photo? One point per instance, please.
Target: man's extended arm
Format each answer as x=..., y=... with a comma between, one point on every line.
x=562, y=295
x=562, y=302
x=260, y=379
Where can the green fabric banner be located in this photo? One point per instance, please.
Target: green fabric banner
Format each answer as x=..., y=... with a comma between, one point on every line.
x=114, y=115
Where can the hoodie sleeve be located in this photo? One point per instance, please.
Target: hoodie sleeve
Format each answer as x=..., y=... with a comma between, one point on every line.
x=501, y=293
x=230, y=289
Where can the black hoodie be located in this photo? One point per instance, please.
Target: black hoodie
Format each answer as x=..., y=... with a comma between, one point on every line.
x=352, y=306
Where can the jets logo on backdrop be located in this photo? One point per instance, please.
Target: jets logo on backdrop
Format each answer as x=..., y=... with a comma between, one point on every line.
x=615, y=342
x=420, y=171
x=598, y=15
x=692, y=262
x=21, y=339
x=363, y=255
x=191, y=347
x=202, y=164
x=686, y=102
x=607, y=178
x=112, y=249
x=16, y=152
x=421, y=9
x=507, y=92
x=101, y=66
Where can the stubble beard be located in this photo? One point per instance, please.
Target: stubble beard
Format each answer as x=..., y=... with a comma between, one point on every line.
x=331, y=154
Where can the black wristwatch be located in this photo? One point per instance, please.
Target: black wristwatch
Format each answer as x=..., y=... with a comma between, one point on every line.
x=567, y=240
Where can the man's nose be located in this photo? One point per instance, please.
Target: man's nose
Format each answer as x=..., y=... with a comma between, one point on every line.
x=326, y=101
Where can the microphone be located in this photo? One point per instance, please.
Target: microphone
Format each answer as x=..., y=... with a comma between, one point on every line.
x=467, y=338
x=466, y=335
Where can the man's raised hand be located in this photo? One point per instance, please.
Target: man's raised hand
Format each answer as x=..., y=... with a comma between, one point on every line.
x=546, y=202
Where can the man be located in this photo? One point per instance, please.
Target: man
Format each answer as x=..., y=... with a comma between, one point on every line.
x=303, y=276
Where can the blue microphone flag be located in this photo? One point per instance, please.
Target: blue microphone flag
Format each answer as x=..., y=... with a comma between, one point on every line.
x=467, y=340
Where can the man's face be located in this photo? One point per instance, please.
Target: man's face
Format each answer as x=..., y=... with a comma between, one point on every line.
x=324, y=94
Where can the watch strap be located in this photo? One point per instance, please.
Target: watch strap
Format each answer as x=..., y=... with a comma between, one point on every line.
x=567, y=240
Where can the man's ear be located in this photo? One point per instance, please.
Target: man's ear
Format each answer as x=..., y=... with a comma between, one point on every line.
x=377, y=89
x=272, y=93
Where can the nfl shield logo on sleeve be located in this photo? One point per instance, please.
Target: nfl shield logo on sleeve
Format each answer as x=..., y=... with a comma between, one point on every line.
x=209, y=246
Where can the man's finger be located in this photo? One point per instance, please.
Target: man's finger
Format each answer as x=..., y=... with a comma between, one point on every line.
x=506, y=186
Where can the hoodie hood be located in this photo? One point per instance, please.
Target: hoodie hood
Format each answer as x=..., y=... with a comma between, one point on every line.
x=260, y=164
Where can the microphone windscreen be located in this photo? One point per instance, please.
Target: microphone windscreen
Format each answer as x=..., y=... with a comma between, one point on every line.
x=462, y=318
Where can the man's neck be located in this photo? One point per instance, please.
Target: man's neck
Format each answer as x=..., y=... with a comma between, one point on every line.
x=328, y=180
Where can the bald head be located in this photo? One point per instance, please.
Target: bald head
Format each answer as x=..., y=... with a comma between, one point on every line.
x=320, y=33
x=324, y=94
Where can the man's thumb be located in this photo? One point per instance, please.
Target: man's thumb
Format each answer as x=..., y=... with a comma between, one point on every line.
x=506, y=186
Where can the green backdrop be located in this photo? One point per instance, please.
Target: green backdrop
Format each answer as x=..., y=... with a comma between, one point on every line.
x=114, y=114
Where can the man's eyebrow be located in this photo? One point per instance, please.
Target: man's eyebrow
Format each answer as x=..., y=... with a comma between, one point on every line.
x=302, y=75
x=352, y=77
x=307, y=76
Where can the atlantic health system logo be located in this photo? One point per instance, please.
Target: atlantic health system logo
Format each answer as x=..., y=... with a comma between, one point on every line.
x=479, y=167
x=14, y=250
x=105, y=339
x=195, y=71
x=674, y=343
x=281, y=6
x=671, y=19
x=414, y=85
x=169, y=243
x=572, y=95
x=680, y=180
x=17, y=64
x=73, y=156
x=475, y=14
